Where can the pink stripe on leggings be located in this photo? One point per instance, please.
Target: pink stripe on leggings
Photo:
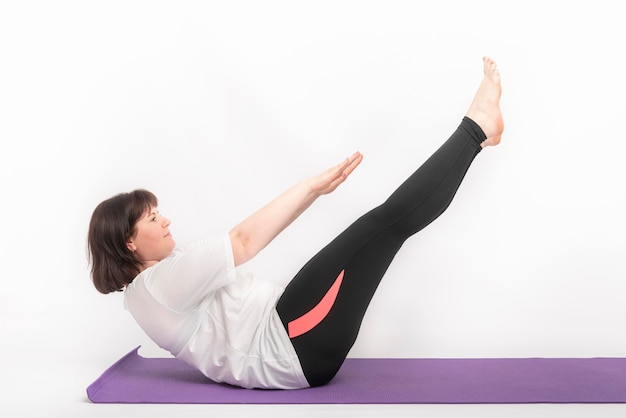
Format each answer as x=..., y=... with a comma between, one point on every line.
x=309, y=320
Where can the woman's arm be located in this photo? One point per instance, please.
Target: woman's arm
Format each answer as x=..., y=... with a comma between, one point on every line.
x=258, y=230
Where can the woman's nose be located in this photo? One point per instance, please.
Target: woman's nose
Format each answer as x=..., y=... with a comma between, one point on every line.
x=166, y=222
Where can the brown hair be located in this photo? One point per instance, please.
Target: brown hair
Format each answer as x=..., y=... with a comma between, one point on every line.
x=112, y=224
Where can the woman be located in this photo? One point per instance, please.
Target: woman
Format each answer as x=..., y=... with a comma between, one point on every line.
x=196, y=303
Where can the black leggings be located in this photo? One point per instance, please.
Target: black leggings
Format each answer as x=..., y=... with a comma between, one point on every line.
x=323, y=306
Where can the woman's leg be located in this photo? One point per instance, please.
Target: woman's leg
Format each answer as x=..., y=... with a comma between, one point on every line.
x=323, y=306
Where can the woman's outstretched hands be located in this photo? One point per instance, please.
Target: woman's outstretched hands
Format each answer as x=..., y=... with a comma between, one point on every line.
x=260, y=228
x=330, y=179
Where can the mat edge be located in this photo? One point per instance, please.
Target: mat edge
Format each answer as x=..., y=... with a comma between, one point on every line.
x=111, y=372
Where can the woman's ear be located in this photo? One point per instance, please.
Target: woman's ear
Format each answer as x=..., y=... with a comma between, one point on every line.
x=131, y=246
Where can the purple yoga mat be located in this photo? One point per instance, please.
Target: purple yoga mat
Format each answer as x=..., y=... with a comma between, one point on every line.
x=135, y=379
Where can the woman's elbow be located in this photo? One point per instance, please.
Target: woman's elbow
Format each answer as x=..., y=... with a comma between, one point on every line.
x=242, y=250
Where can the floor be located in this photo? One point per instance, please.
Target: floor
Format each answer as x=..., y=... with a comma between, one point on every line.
x=59, y=391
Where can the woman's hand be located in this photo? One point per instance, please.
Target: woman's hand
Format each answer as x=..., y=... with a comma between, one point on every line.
x=259, y=229
x=330, y=179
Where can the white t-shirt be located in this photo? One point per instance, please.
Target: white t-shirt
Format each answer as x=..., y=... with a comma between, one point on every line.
x=199, y=307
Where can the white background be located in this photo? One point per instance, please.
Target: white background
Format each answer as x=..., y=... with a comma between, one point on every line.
x=217, y=107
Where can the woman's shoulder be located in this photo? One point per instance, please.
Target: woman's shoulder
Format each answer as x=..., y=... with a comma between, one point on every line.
x=214, y=241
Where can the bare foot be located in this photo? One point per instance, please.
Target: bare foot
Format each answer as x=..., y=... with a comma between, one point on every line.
x=485, y=108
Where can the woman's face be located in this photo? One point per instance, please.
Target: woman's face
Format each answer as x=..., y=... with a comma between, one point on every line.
x=152, y=241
